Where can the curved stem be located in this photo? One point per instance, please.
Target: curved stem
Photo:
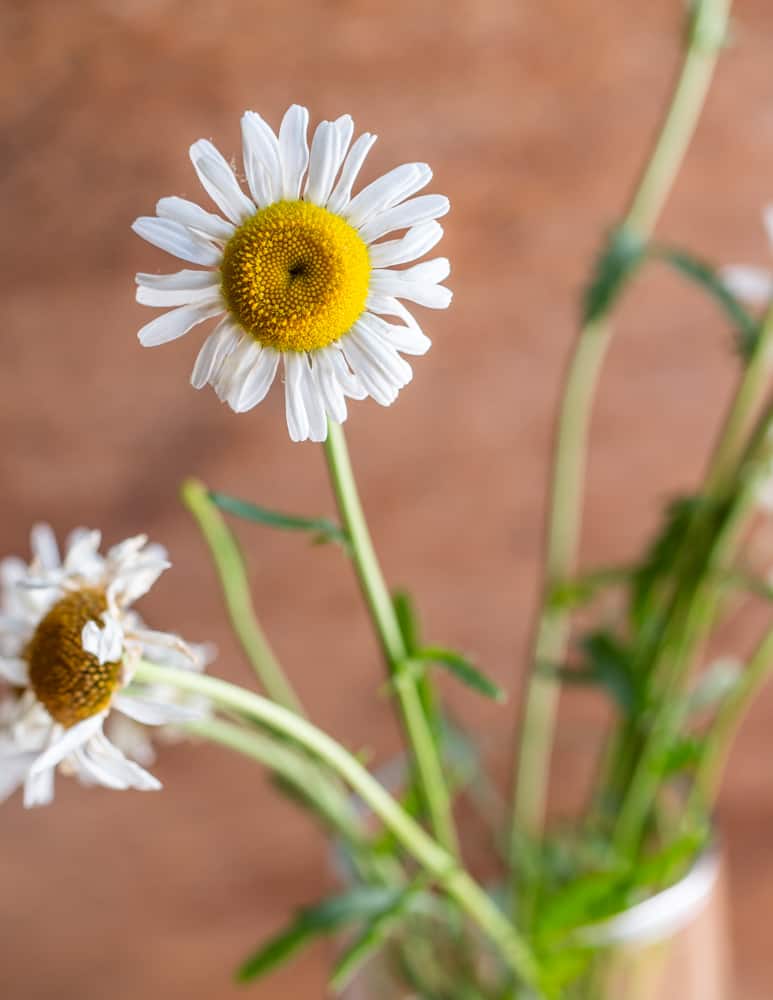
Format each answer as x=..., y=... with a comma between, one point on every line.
x=232, y=573
x=707, y=31
x=443, y=868
x=424, y=749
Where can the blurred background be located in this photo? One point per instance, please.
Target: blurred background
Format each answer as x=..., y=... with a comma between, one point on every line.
x=535, y=117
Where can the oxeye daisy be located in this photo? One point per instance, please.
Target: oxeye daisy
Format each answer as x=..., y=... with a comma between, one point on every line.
x=298, y=272
x=69, y=643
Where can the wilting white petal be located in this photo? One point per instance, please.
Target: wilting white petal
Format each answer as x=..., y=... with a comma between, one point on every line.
x=105, y=643
x=189, y=214
x=219, y=182
x=69, y=740
x=44, y=548
x=166, y=234
x=293, y=150
x=155, y=713
x=82, y=549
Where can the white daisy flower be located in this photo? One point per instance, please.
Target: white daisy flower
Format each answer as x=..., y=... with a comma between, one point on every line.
x=69, y=644
x=752, y=284
x=297, y=271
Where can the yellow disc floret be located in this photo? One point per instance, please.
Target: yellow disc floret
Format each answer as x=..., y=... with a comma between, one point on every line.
x=296, y=276
x=71, y=683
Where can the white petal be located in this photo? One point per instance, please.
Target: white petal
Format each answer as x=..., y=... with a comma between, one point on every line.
x=14, y=670
x=39, y=788
x=235, y=367
x=381, y=388
x=219, y=182
x=44, y=547
x=106, y=764
x=328, y=147
x=313, y=404
x=381, y=354
x=293, y=150
x=82, y=550
x=324, y=371
x=187, y=288
x=345, y=377
x=216, y=349
x=177, y=323
x=155, y=713
x=295, y=411
x=136, y=580
x=189, y=214
x=178, y=240
x=408, y=339
x=258, y=380
x=13, y=771
x=105, y=643
x=262, y=165
x=417, y=284
x=409, y=213
x=752, y=284
x=342, y=192
x=416, y=242
x=388, y=190
x=71, y=739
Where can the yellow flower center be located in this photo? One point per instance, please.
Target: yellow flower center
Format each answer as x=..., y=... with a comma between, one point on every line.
x=296, y=276
x=71, y=683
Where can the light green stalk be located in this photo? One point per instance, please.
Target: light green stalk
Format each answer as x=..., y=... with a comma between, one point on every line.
x=433, y=858
x=423, y=747
x=705, y=38
x=236, y=591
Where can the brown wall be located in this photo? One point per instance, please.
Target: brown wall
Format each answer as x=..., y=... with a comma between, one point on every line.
x=535, y=117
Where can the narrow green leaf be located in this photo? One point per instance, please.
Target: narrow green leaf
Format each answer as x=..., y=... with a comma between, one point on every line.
x=606, y=664
x=461, y=668
x=321, y=528
x=709, y=279
x=324, y=918
x=621, y=255
x=407, y=619
x=373, y=936
x=581, y=590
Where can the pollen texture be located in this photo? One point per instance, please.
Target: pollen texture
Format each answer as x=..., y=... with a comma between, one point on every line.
x=296, y=276
x=71, y=683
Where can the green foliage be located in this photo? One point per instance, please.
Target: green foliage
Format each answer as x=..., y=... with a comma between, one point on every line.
x=359, y=904
x=320, y=528
x=606, y=663
x=582, y=590
x=709, y=279
x=620, y=257
x=460, y=667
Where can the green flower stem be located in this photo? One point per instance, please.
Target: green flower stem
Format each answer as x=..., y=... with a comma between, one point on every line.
x=725, y=726
x=436, y=860
x=707, y=32
x=236, y=591
x=425, y=755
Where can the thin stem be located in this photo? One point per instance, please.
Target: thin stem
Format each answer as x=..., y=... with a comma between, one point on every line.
x=707, y=31
x=436, y=861
x=426, y=758
x=720, y=739
x=232, y=573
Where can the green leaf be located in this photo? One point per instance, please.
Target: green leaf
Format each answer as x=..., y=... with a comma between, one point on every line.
x=407, y=619
x=583, y=589
x=460, y=667
x=321, y=528
x=324, y=918
x=605, y=663
x=681, y=756
x=373, y=936
x=709, y=279
x=584, y=900
x=620, y=257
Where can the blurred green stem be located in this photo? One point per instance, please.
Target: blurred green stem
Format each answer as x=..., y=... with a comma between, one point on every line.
x=707, y=29
x=423, y=746
x=232, y=573
x=433, y=858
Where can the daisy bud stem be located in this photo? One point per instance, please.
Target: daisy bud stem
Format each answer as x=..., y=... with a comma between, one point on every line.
x=236, y=592
x=427, y=852
x=423, y=746
x=706, y=32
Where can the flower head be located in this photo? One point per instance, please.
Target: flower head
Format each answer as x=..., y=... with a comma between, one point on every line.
x=297, y=271
x=69, y=643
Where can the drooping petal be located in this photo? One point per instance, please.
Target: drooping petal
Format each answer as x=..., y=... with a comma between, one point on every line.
x=136, y=580
x=220, y=183
x=69, y=740
x=404, y=216
x=39, y=788
x=155, y=713
x=216, y=349
x=416, y=242
x=262, y=165
x=166, y=234
x=389, y=190
x=293, y=150
x=342, y=192
x=189, y=214
x=105, y=643
x=176, y=323
x=45, y=550
x=295, y=410
x=258, y=380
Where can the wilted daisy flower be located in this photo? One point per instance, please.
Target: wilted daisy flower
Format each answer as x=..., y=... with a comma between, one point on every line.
x=296, y=271
x=69, y=644
x=752, y=284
